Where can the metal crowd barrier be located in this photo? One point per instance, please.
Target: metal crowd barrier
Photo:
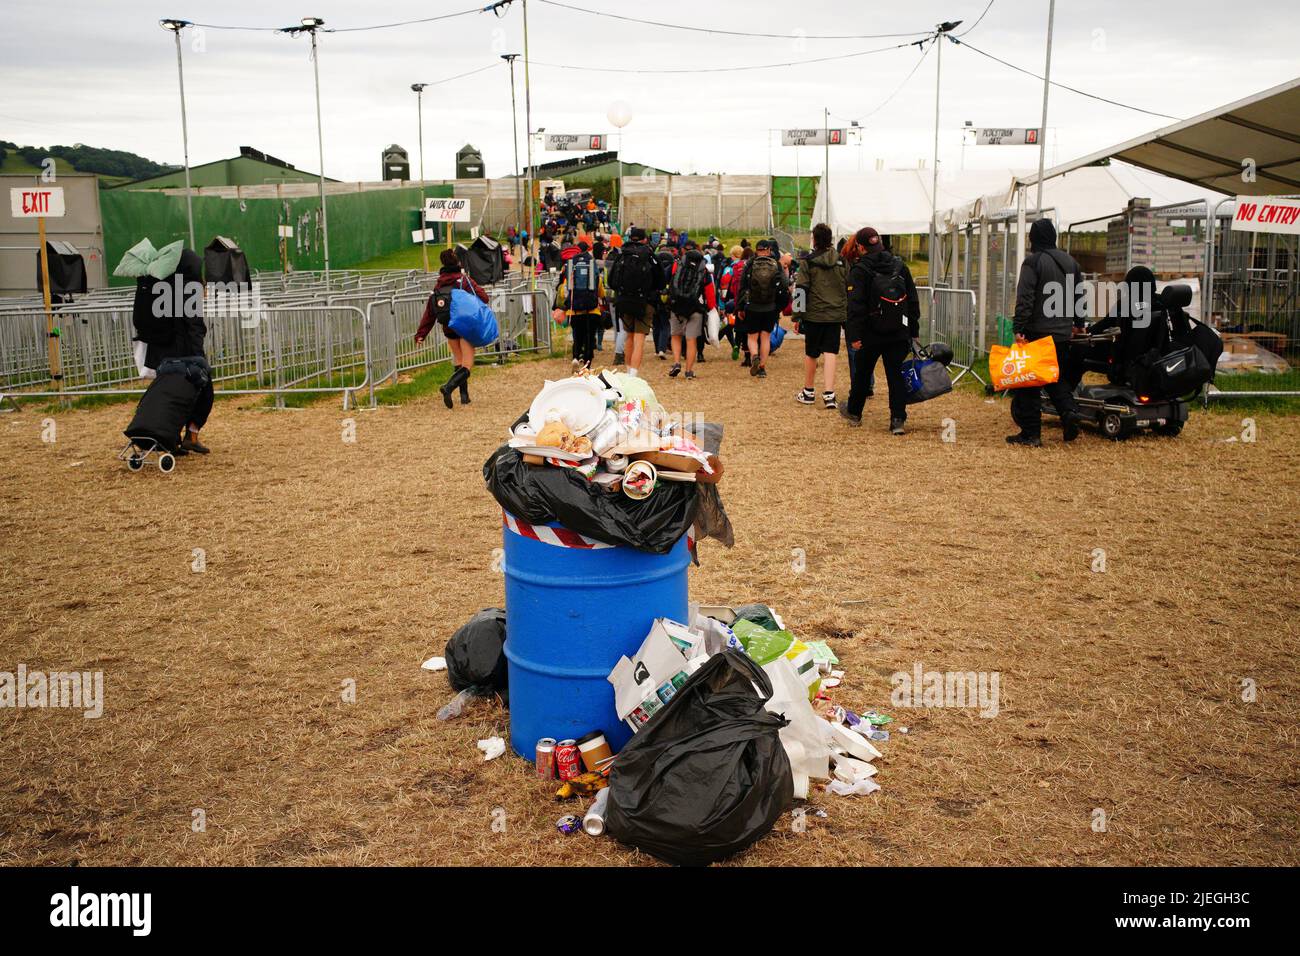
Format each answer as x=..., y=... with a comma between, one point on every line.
x=348, y=338
x=950, y=316
x=523, y=322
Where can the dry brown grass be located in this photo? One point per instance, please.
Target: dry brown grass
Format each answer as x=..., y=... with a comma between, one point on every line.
x=329, y=561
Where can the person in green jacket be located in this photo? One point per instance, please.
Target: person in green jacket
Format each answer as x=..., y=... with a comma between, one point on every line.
x=820, y=308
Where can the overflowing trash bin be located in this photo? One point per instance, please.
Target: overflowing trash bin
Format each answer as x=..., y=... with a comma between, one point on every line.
x=688, y=729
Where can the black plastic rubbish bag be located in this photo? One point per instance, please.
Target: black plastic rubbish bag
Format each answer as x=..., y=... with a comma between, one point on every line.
x=707, y=776
x=538, y=494
x=475, y=654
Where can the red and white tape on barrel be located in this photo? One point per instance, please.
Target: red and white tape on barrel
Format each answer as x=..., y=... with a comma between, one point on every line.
x=560, y=537
x=563, y=537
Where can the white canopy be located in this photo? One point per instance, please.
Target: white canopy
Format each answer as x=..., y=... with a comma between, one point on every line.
x=1088, y=196
x=898, y=201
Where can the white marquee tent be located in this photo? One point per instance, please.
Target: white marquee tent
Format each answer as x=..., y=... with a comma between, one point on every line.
x=898, y=201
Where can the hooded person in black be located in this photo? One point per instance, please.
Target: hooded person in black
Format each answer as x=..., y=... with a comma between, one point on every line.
x=884, y=317
x=1049, y=302
x=174, y=307
x=1135, y=312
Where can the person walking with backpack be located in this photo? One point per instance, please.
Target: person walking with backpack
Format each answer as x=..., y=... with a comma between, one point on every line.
x=438, y=309
x=1048, y=274
x=636, y=280
x=691, y=295
x=580, y=294
x=764, y=292
x=663, y=331
x=821, y=302
x=884, y=320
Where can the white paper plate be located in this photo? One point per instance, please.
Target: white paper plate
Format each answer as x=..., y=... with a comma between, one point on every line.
x=578, y=404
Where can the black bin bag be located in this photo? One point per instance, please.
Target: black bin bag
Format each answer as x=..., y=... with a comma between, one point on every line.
x=476, y=653
x=707, y=776
x=539, y=494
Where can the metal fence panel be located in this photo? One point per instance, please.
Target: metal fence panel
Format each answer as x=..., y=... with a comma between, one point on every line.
x=949, y=316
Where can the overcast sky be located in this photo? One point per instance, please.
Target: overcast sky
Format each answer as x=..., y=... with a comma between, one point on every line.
x=105, y=74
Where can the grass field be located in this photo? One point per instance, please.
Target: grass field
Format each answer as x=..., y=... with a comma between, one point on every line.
x=329, y=562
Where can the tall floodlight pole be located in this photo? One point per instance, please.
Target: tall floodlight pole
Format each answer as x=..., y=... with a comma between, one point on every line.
x=419, y=111
x=176, y=26
x=528, y=139
x=311, y=25
x=514, y=132
x=945, y=27
x=826, y=173
x=1047, y=85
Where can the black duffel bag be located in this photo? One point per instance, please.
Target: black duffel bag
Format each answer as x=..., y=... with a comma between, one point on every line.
x=1179, y=371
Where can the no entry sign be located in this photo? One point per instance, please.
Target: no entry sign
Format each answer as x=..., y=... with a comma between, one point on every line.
x=1267, y=214
x=32, y=202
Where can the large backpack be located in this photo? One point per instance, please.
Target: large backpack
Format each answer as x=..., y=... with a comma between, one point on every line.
x=764, y=277
x=584, y=283
x=632, y=272
x=666, y=262
x=686, y=286
x=889, y=291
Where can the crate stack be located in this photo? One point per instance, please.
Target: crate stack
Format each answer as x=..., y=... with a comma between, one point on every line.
x=1142, y=237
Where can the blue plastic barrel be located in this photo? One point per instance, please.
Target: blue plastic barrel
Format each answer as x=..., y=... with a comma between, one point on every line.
x=571, y=613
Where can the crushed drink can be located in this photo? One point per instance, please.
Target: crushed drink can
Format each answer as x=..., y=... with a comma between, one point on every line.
x=568, y=759
x=545, y=760
x=569, y=823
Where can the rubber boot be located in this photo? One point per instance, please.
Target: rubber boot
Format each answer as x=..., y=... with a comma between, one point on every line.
x=449, y=386
x=464, y=385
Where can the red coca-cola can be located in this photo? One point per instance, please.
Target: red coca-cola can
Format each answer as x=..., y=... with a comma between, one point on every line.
x=568, y=759
x=546, y=758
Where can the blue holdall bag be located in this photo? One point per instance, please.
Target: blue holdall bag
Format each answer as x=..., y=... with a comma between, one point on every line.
x=778, y=336
x=924, y=377
x=472, y=319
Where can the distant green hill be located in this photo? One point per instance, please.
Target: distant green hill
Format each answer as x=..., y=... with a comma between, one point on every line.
x=112, y=166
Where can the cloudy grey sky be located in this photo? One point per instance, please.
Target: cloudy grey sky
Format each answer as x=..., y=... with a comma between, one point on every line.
x=105, y=74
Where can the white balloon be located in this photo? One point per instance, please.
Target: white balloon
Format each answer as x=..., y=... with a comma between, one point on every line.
x=619, y=113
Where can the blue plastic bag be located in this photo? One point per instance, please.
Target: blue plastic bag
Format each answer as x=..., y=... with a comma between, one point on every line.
x=472, y=319
x=778, y=336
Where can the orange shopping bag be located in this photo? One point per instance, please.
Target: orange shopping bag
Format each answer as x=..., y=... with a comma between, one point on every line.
x=1024, y=366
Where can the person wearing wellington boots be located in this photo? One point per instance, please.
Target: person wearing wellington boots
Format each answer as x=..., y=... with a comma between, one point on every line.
x=438, y=309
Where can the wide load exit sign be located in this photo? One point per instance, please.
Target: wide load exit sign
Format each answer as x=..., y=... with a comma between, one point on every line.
x=31, y=202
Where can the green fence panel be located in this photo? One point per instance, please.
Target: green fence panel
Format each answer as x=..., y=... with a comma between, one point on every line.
x=362, y=225
x=792, y=202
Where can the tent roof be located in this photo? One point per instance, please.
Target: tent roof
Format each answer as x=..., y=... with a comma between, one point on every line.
x=1208, y=149
x=898, y=200
x=1090, y=195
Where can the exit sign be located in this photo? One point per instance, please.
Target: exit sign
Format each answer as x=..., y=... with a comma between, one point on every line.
x=30, y=202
